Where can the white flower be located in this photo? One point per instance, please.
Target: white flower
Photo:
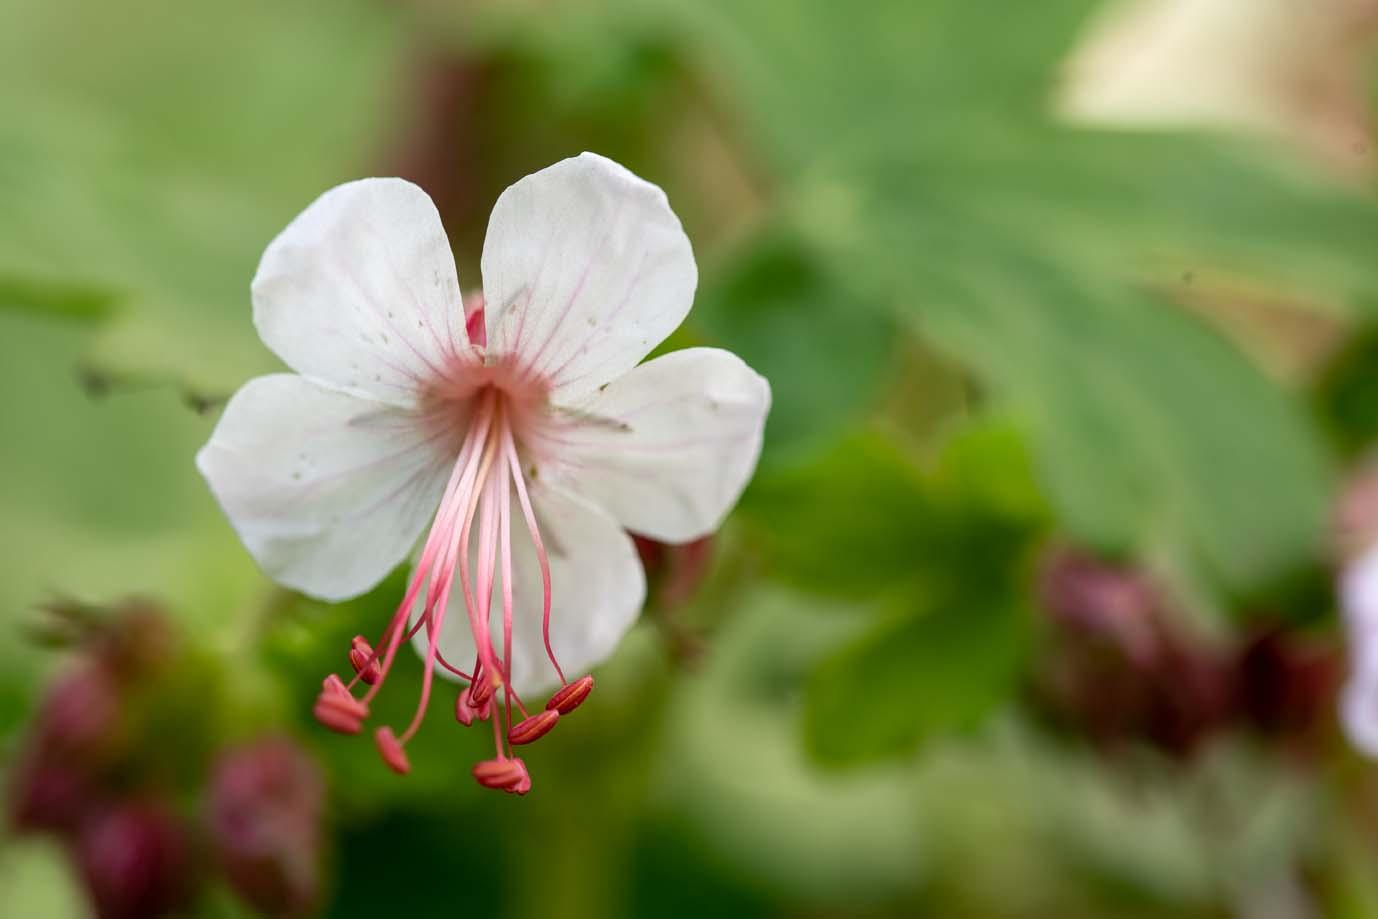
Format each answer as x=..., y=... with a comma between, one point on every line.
x=1359, y=698
x=530, y=438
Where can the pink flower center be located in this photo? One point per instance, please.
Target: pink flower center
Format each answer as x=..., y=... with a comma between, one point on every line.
x=497, y=406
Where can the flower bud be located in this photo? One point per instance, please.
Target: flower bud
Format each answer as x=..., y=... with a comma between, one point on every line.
x=264, y=818
x=80, y=713
x=48, y=793
x=135, y=860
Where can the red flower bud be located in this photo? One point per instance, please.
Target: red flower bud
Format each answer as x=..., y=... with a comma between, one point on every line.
x=136, y=862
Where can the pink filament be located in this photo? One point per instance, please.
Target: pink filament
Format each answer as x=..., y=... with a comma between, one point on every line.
x=479, y=489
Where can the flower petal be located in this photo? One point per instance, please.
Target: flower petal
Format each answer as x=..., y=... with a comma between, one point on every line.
x=598, y=588
x=360, y=291
x=327, y=491
x=585, y=270
x=668, y=448
x=1359, y=708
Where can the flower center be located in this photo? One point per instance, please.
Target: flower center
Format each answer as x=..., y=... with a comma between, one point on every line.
x=469, y=546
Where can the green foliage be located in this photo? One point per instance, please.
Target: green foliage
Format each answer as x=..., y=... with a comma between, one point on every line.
x=937, y=556
x=143, y=175
x=776, y=307
x=864, y=521
x=927, y=171
x=925, y=672
x=879, y=198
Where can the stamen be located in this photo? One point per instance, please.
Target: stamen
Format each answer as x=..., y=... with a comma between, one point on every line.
x=514, y=463
x=363, y=659
x=503, y=774
x=571, y=695
x=531, y=729
x=392, y=751
x=477, y=496
x=464, y=712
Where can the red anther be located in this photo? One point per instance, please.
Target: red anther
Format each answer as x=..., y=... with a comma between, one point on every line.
x=333, y=688
x=337, y=709
x=392, y=751
x=503, y=774
x=485, y=711
x=363, y=660
x=533, y=728
x=480, y=691
x=464, y=712
x=334, y=716
x=570, y=696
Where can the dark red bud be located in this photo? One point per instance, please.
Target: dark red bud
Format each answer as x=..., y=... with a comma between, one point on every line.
x=365, y=664
x=136, y=862
x=80, y=714
x=571, y=695
x=391, y=750
x=264, y=818
x=48, y=793
x=533, y=728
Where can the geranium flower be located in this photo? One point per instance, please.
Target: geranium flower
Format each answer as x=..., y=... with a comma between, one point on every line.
x=526, y=434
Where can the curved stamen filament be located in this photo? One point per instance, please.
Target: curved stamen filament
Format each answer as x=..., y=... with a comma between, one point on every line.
x=478, y=494
x=514, y=463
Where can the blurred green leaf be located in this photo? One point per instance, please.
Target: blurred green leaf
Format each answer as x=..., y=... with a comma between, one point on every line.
x=1046, y=258
x=941, y=666
x=144, y=169
x=776, y=308
x=38, y=880
x=938, y=556
x=733, y=749
x=1347, y=394
x=865, y=522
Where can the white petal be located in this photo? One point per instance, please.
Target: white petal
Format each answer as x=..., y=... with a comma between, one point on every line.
x=1359, y=709
x=1359, y=594
x=668, y=448
x=360, y=291
x=327, y=491
x=585, y=270
x=598, y=588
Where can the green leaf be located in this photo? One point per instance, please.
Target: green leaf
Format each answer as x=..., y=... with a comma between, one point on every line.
x=931, y=176
x=940, y=665
x=864, y=521
x=776, y=308
x=38, y=880
x=147, y=190
x=732, y=749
